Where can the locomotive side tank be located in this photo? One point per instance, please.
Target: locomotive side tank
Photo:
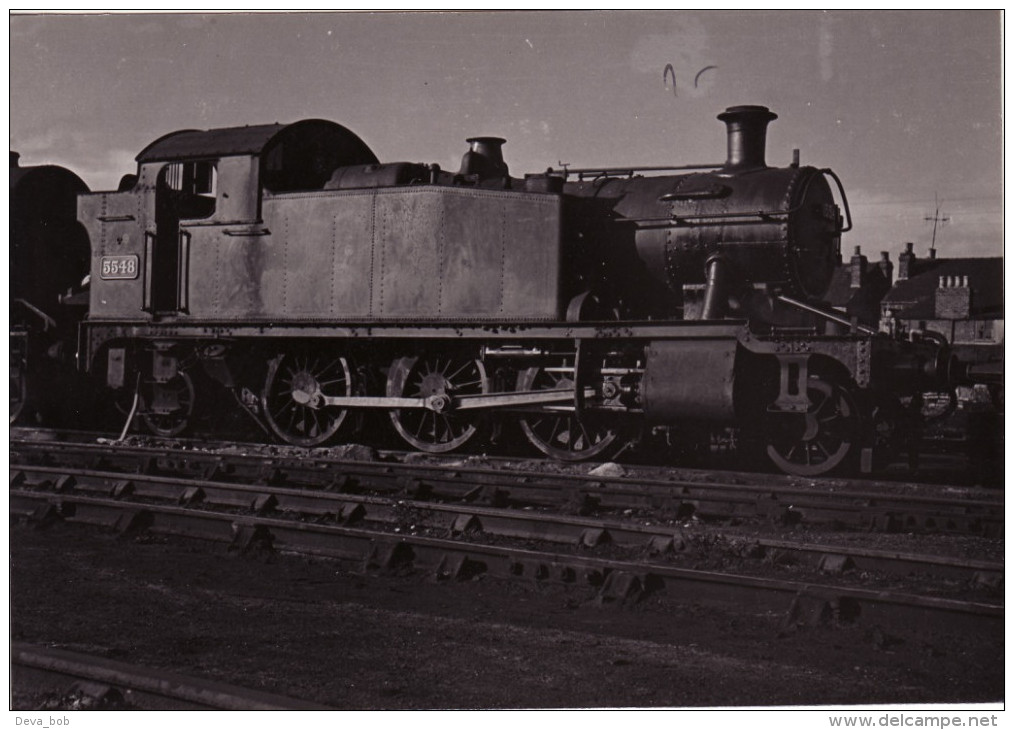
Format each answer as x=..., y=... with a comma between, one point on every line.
x=286, y=264
x=297, y=223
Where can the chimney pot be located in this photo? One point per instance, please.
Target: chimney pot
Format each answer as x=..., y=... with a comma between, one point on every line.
x=953, y=300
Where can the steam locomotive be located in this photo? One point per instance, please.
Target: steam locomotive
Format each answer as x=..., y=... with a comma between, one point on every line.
x=285, y=265
x=50, y=256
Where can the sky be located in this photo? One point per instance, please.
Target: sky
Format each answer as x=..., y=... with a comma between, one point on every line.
x=905, y=106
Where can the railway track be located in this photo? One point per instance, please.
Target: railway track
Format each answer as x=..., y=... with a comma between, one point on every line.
x=65, y=487
x=76, y=681
x=617, y=559
x=940, y=510
x=934, y=450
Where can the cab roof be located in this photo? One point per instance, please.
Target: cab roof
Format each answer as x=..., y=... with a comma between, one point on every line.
x=191, y=144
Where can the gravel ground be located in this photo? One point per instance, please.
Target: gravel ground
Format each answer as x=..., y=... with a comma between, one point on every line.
x=312, y=629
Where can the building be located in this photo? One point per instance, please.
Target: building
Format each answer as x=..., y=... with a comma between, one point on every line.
x=960, y=298
x=858, y=287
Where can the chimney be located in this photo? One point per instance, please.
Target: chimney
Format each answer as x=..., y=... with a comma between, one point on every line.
x=747, y=129
x=484, y=158
x=14, y=159
x=953, y=298
x=857, y=268
x=932, y=253
x=905, y=263
x=886, y=267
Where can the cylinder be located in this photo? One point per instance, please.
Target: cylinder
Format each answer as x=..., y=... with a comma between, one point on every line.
x=690, y=380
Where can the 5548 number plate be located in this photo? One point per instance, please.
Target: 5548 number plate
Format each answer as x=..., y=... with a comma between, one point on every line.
x=119, y=267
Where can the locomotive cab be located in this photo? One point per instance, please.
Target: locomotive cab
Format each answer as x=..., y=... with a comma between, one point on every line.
x=191, y=185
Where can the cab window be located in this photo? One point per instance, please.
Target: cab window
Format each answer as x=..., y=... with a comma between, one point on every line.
x=195, y=187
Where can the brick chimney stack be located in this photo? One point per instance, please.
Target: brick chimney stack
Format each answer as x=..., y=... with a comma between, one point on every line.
x=953, y=298
x=886, y=267
x=905, y=262
x=857, y=268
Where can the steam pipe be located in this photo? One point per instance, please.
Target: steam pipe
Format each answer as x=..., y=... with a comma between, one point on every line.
x=825, y=314
x=716, y=292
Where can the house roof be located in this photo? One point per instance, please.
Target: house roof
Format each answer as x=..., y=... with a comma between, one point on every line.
x=840, y=292
x=862, y=302
x=915, y=297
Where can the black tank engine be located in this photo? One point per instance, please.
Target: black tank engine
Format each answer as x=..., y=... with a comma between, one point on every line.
x=286, y=265
x=50, y=258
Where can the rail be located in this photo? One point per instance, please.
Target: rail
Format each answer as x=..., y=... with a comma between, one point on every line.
x=465, y=556
x=463, y=516
x=868, y=509
x=144, y=687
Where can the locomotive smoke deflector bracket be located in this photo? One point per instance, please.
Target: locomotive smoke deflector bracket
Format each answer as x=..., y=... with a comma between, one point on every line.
x=747, y=128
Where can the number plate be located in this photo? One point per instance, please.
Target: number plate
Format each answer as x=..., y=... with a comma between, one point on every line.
x=119, y=267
